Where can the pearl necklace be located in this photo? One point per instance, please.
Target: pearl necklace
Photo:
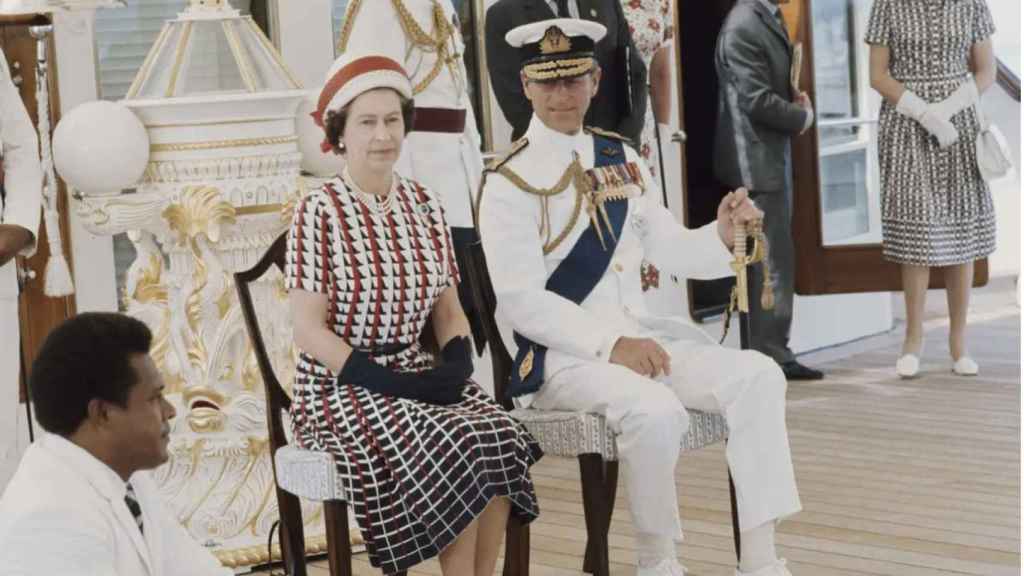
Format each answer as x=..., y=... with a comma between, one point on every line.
x=373, y=202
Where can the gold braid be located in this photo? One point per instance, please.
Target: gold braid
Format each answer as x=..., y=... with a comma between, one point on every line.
x=438, y=43
x=574, y=174
x=346, y=29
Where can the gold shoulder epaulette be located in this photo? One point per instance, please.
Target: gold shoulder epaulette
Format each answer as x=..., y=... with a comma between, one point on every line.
x=605, y=133
x=517, y=147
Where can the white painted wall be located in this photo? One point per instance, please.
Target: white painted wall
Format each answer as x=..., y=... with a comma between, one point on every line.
x=1004, y=112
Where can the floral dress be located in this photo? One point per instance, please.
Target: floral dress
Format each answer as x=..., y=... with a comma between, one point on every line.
x=418, y=474
x=936, y=208
x=650, y=24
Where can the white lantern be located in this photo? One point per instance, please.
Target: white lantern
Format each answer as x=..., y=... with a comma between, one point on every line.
x=104, y=165
x=314, y=160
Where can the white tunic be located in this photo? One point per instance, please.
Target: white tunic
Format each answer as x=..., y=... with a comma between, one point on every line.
x=64, y=513
x=509, y=224
x=23, y=179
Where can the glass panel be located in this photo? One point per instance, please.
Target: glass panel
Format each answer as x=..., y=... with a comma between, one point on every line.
x=843, y=97
x=125, y=35
x=844, y=196
x=1006, y=40
x=835, y=69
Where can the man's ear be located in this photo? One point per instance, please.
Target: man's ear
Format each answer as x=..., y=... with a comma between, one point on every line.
x=523, y=80
x=597, y=80
x=97, y=412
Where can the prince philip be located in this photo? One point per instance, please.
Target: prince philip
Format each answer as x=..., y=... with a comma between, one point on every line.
x=566, y=219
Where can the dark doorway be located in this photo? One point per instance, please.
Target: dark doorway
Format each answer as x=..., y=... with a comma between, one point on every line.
x=699, y=23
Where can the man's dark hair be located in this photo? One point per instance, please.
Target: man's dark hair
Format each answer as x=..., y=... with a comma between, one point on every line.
x=87, y=356
x=334, y=122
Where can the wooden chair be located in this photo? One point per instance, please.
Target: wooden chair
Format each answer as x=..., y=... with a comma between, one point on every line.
x=581, y=435
x=297, y=472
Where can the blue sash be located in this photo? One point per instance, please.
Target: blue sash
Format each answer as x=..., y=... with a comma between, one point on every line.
x=576, y=276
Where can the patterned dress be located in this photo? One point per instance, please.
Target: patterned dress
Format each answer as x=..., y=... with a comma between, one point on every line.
x=650, y=24
x=936, y=208
x=418, y=473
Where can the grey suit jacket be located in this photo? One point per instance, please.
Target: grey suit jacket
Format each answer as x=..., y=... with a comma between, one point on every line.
x=756, y=112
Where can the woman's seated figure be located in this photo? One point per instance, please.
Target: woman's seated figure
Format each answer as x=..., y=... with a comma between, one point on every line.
x=433, y=465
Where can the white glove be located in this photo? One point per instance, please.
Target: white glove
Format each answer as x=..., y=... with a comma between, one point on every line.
x=964, y=97
x=912, y=106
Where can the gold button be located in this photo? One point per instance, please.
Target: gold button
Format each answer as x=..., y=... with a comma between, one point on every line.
x=618, y=267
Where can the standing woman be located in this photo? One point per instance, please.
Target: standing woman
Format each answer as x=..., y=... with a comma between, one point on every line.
x=650, y=24
x=433, y=466
x=930, y=60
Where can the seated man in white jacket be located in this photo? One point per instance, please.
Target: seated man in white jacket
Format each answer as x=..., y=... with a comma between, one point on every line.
x=566, y=220
x=82, y=501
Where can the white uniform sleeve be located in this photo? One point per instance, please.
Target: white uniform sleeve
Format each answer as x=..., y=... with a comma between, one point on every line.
x=698, y=254
x=23, y=176
x=509, y=225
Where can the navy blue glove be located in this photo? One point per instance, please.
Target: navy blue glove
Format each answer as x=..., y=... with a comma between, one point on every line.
x=459, y=352
x=441, y=385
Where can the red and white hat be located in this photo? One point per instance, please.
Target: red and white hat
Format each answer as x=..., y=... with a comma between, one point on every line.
x=354, y=73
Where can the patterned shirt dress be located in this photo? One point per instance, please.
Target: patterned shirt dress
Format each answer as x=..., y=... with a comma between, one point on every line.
x=936, y=208
x=418, y=473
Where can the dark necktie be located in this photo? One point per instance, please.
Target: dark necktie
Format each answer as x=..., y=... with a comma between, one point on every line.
x=133, y=504
x=563, y=8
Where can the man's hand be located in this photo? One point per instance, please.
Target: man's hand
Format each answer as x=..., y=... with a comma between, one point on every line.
x=13, y=239
x=641, y=355
x=804, y=101
x=735, y=208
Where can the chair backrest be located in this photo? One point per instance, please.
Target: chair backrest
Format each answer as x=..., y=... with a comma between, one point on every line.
x=486, y=304
x=277, y=399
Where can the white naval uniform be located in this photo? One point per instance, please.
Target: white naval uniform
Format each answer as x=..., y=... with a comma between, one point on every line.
x=23, y=180
x=648, y=415
x=449, y=164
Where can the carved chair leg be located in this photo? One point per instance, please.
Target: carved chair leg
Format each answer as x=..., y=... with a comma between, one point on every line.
x=735, y=518
x=596, y=511
x=339, y=548
x=517, y=547
x=293, y=545
x=611, y=484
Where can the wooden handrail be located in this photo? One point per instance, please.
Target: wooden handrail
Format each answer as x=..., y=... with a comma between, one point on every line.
x=1007, y=80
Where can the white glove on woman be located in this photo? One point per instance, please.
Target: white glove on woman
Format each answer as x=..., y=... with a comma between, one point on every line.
x=912, y=106
x=964, y=97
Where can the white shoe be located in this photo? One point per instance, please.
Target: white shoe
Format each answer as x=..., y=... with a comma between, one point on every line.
x=667, y=567
x=776, y=569
x=965, y=366
x=908, y=366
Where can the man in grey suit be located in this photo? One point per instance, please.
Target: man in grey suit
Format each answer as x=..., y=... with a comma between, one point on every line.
x=758, y=112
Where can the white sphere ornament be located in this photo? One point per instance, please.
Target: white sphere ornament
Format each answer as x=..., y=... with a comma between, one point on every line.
x=100, y=148
x=314, y=160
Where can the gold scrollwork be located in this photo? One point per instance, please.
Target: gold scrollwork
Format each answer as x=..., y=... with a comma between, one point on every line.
x=200, y=212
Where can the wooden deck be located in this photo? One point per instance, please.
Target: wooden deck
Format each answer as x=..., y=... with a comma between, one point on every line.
x=897, y=477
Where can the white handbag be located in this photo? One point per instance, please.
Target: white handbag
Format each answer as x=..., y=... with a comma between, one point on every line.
x=993, y=152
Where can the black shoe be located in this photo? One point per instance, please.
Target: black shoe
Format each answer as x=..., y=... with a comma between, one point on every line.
x=797, y=371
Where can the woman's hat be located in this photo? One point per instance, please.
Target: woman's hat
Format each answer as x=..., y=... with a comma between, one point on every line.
x=354, y=73
x=556, y=48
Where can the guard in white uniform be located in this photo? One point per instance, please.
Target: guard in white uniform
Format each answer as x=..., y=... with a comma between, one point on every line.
x=443, y=149
x=566, y=220
x=21, y=197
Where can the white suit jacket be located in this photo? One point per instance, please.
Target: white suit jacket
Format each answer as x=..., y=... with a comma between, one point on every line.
x=450, y=164
x=510, y=221
x=64, y=514
x=23, y=177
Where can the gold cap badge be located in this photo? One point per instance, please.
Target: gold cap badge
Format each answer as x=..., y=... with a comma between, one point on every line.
x=554, y=41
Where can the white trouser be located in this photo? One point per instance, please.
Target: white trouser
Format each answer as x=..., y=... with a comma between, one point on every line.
x=649, y=418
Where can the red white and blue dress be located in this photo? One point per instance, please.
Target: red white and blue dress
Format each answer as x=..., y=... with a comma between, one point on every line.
x=418, y=473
